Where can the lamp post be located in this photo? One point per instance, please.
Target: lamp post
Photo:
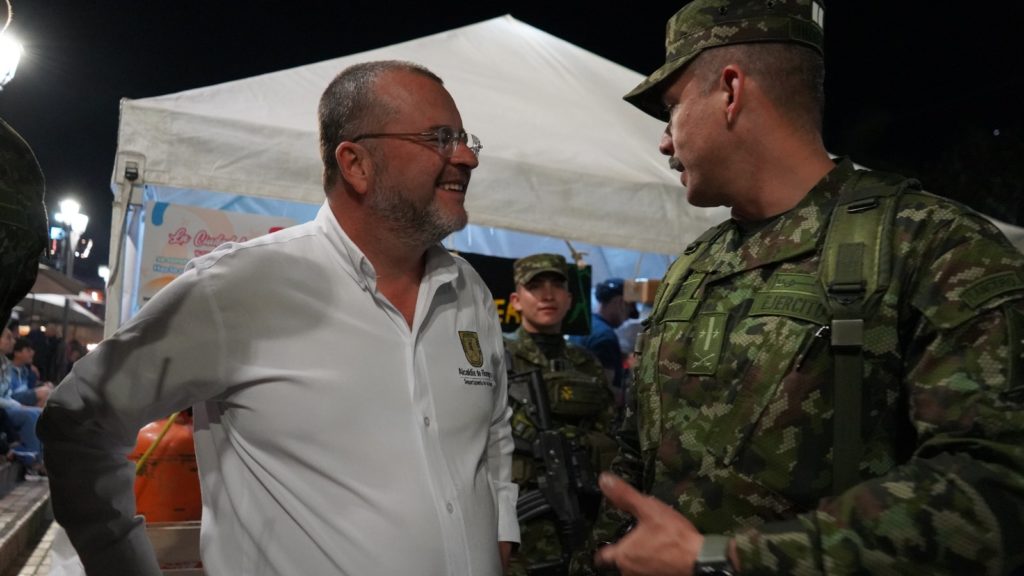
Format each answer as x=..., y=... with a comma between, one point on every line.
x=74, y=225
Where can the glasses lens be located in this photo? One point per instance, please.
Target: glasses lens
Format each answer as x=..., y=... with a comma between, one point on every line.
x=446, y=140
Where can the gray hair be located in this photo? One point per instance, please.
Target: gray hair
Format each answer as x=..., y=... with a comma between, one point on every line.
x=351, y=105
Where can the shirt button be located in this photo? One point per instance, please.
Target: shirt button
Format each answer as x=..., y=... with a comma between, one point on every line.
x=450, y=508
x=426, y=421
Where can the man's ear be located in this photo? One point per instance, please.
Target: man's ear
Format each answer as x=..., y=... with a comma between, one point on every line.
x=733, y=84
x=354, y=165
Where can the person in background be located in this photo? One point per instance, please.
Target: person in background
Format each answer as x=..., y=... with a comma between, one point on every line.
x=582, y=408
x=832, y=381
x=22, y=418
x=347, y=374
x=25, y=385
x=40, y=345
x=602, y=341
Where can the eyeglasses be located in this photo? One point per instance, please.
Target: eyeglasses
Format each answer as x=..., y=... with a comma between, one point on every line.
x=447, y=140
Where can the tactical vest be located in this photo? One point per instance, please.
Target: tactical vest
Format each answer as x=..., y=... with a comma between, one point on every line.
x=573, y=397
x=576, y=400
x=854, y=272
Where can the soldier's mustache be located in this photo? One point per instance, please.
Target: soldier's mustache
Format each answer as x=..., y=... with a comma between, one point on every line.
x=675, y=164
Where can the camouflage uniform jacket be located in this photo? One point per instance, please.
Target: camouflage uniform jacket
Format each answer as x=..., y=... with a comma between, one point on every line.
x=539, y=537
x=732, y=423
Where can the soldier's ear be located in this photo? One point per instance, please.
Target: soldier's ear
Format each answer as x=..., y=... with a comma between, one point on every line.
x=513, y=300
x=732, y=87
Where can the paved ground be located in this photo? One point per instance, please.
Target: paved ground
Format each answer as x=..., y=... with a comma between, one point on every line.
x=24, y=516
x=36, y=562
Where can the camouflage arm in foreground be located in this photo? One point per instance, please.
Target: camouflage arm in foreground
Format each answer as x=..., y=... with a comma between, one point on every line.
x=957, y=506
x=610, y=521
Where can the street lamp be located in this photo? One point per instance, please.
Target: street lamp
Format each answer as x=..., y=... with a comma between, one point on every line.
x=10, y=49
x=74, y=225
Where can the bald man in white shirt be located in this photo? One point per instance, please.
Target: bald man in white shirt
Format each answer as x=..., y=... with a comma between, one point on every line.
x=346, y=374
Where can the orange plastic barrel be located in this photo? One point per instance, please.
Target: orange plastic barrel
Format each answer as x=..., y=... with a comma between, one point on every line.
x=167, y=485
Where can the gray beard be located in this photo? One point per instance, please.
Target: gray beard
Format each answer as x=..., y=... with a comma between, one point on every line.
x=413, y=225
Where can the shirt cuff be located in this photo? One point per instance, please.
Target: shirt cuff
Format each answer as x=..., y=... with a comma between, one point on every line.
x=508, y=522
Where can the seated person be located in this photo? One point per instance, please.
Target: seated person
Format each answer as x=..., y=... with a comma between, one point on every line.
x=22, y=418
x=25, y=385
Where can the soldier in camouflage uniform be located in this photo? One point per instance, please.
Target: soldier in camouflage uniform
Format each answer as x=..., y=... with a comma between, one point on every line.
x=831, y=382
x=22, y=219
x=581, y=403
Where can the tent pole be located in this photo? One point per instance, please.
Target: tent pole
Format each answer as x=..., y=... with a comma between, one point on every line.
x=131, y=173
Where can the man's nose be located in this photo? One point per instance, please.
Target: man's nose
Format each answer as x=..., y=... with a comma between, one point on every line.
x=665, y=145
x=464, y=156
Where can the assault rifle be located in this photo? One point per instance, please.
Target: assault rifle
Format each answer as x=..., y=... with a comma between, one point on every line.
x=567, y=472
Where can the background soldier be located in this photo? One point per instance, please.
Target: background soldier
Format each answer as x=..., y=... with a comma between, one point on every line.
x=833, y=380
x=581, y=404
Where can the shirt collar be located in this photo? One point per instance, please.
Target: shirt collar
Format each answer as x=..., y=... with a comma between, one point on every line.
x=440, y=268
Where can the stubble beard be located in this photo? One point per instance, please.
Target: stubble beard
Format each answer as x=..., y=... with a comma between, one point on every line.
x=415, y=226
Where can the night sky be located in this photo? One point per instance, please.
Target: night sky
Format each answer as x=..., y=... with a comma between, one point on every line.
x=928, y=89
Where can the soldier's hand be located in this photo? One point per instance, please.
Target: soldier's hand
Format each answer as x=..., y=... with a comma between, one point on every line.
x=663, y=541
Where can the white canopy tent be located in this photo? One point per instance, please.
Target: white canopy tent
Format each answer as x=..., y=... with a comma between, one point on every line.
x=564, y=157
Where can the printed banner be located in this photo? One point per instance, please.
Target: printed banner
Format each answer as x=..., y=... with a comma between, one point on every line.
x=175, y=234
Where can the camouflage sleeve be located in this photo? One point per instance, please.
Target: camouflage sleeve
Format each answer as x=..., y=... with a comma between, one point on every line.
x=957, y=505
x=607, y=419
x=611, y=522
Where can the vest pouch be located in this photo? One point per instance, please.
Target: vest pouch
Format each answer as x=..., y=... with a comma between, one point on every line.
x=603, y=449
x=575, y=394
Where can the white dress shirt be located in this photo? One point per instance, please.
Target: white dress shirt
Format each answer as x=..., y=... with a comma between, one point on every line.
x=331, y=437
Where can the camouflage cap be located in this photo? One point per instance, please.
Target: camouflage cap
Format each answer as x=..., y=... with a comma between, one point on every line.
x=526, y=268
x=704, y=24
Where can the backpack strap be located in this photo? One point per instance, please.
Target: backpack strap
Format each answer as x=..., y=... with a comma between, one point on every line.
x=855, y=270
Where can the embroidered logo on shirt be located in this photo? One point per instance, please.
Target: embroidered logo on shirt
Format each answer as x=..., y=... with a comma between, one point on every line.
x=471, y=347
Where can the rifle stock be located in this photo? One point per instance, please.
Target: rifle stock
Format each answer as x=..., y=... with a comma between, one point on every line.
x=559, y=486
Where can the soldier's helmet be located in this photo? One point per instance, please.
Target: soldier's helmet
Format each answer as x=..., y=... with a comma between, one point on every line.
x=22, y=219
x=527, y=268
x=704, y=24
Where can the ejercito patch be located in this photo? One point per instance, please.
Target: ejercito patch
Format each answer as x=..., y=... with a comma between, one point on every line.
x=471, y=347
x=991, y=286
